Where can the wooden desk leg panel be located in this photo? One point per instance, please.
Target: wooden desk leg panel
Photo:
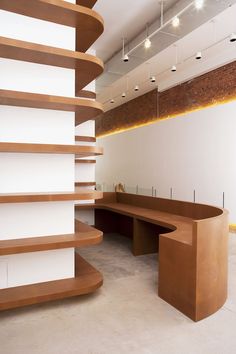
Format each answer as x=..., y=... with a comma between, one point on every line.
x=145, y=239
x=177, y=275
x=106, y=221
x=125, y=226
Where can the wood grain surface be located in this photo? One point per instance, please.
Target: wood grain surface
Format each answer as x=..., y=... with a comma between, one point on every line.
x=87, y=22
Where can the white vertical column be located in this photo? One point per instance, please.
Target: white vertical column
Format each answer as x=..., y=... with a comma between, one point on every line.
x=36, y=172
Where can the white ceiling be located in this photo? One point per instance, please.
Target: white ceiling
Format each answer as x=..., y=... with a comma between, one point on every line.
x=120, y=22
x=124, y=18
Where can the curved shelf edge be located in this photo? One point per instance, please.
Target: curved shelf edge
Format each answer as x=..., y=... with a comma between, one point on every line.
x=89, y=67
x=90, y=23
x=80, y=161
x=85, y=206
x=85, y=109
x=85, y=235
x=78, y=194
x=86, y=3
x=85, y=93
x=85, y=184
x=78, y=150
x=87, y=280
x=90, y=139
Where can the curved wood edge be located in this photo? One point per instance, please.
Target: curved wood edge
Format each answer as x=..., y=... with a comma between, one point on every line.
x=78, y=194
x=87, y=280
x=89, y=23
x=86, y=3
x=85, y=184
x=211, y=291
x=86, y=109
x=81, y=206
x=80, y=161
x=85, y=235
x=85, y=93
x=89, y=66
x=78, y=150
x=83, y=138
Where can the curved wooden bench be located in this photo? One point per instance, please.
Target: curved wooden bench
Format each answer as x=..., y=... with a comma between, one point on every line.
x=193, y=241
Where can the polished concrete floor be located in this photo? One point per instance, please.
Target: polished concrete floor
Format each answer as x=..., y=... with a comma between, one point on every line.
x=125, y=316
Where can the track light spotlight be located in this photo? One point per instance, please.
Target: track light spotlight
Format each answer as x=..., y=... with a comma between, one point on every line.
x=175, y=21
x=173, y=69
x=152, y=79
x=199, y=4
x=147, y=43
x=125, y=58
x=198, y=55
x=112, y=101
x=136, y=88
x=123, y=95
x=232, y=37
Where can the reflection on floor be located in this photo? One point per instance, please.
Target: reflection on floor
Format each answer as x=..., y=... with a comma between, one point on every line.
x=124, y=316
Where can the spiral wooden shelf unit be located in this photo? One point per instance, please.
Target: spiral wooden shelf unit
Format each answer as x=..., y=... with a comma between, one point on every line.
x=89, y=26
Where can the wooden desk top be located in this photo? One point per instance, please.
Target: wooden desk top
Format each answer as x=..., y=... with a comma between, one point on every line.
x=181, y=226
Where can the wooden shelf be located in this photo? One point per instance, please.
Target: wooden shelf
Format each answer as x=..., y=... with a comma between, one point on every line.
x=85, y=161
x=78, y=194
x=85, y=184
x=90, y=139
x=85, y=235
x=87, y=279
x=85, y=93
x=78, y=150
x=85, y=109
x=86, y=3
x=89, y=24
x=89, y=67
x=85, y=206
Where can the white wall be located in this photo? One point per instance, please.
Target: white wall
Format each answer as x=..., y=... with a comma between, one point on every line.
x=195, y=151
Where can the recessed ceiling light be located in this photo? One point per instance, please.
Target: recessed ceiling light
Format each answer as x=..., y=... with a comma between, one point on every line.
x=199, y=4
x=123, y=95
x=147, y=43
x=152, y=79
x=173, y=69
x=112, y=101
x=175, y=21
x=198, y=55
x=136, y=88
x=232, y=37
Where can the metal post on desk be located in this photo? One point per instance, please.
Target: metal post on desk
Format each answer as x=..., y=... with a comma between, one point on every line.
x=194, y=196
x=171, y=193
x=152, y=191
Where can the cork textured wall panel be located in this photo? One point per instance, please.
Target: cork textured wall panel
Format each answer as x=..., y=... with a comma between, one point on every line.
x=214, y=87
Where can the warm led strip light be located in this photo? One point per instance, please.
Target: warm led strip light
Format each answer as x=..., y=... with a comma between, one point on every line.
x=159, y=119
